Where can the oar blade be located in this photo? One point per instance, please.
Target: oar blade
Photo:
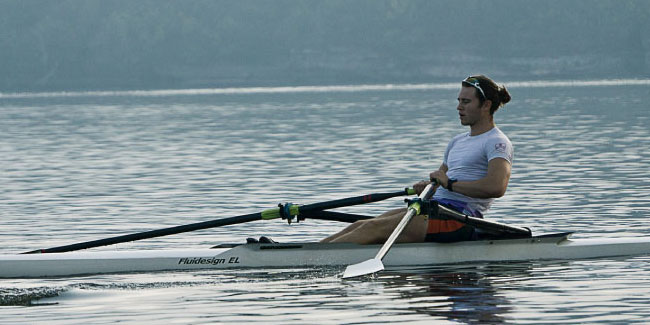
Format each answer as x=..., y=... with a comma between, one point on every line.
x=364, y=268
x=375, y=264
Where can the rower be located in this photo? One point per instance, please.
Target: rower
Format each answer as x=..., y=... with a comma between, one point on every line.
x=474, y=172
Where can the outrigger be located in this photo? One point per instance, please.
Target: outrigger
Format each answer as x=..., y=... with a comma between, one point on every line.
x=501, y=243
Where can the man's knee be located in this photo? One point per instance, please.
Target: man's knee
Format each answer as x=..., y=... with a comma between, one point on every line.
x=375, y=230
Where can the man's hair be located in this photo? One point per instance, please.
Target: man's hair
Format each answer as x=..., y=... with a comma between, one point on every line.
x=499, y=95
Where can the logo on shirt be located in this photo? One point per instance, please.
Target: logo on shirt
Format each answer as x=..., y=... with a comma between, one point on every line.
x=500, y=147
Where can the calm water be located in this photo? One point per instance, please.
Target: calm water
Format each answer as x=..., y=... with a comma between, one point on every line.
x=78, y=167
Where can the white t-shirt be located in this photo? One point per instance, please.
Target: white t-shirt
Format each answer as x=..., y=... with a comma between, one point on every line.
x=467, y=159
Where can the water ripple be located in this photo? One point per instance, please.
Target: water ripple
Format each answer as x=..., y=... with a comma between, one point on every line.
x=78, y=168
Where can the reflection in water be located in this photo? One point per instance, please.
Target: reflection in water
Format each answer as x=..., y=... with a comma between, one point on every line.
x=473, y=294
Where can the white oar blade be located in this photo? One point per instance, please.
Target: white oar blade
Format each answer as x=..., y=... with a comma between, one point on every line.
x=364, y=268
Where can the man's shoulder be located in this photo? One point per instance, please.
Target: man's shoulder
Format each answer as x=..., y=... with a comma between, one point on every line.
x=496, y=133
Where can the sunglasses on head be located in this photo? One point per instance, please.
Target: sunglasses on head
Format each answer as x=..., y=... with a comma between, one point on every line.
x=474, y=83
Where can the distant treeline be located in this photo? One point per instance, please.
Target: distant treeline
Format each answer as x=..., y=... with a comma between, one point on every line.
x=109, y=44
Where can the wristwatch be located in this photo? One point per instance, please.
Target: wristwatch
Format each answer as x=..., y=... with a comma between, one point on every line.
x=450, y=183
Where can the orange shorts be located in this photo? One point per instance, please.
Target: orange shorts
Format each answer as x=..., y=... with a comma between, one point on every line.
x=447, y=231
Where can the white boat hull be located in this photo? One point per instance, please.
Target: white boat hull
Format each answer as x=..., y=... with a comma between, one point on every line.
x=288, y=255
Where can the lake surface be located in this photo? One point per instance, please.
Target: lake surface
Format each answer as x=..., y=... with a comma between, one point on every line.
x=83, y=166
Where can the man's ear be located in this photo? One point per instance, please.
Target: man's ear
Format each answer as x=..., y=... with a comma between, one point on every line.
x=486, y=104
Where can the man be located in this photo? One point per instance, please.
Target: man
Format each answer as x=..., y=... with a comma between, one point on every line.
x=475, y=170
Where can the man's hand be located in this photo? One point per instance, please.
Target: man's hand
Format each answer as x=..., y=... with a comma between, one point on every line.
x=440, y=176
x=419, y=186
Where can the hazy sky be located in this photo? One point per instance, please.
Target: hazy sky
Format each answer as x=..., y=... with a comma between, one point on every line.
x=94, y=44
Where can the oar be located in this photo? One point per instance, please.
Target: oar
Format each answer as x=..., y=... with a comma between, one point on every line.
x=334, y=216
x=374, y=264
x=368, y=198
x=493, y=227
x=292, y=210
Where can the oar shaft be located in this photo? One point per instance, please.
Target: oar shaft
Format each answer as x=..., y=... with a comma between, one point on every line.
x=375, y=197
x=267, y=214
x=334, y=216
x=151, y=234
x=295, y=209
x=483, y=224
x=412, y=211
x=374, y=264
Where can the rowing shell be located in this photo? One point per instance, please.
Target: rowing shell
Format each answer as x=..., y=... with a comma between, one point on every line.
x=290, y=255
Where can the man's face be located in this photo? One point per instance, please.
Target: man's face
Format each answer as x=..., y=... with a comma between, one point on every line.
x=469, y=106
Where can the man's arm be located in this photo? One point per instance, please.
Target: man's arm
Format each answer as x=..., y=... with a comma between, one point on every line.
x=493, y=185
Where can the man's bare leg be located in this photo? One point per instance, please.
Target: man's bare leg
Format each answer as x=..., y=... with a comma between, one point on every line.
x=359, y=223
x=376, y=231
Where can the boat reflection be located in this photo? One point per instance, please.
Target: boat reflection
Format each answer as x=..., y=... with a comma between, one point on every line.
x=473, y=294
